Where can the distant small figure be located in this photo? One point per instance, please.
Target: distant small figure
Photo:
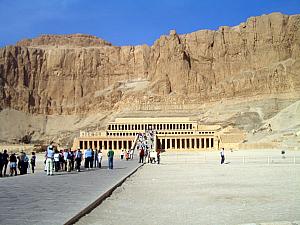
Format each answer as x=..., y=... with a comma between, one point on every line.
x=49, y=155
x=158, y=156
x=78, y=158
x=65, y=154
x=283, y=154
x=88, y=154
x=146, y=155
x=70, y=158
x=122, y=154
x=131, y=154
x=13, y=164
x=269, y=128
x=5, y=161
x=26, y=164
x=142, y=153
x=21, y=162
x=100, y=158
x=222, y=153
x=127, y=154
x=96, y=161
x=32, y=161
x=1, y=163
x=56, y=160
x=110, y=155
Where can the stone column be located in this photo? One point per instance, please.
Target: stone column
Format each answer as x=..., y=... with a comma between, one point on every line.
x=165, y=147
x=176, y=143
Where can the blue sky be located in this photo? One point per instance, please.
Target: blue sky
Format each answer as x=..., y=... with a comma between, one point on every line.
x=127, y=22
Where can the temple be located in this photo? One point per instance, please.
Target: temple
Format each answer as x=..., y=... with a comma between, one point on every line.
x=171, y=133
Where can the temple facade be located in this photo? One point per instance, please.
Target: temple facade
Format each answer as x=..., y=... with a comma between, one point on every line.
x=171, y=133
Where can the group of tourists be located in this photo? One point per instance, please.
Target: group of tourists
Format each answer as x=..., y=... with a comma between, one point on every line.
x=147, y=153
x=126, y=154
x=15, y=162
x=147, y=156
x=69, y=160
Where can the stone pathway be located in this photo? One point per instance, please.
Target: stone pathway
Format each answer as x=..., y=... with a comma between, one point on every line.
x=193, y=188
x=40, y=199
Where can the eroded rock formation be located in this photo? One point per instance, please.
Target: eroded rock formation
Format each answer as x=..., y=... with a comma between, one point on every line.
x=67, y=74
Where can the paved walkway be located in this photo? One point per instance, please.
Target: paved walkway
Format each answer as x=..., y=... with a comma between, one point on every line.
x=40, y=199
x=193, y=188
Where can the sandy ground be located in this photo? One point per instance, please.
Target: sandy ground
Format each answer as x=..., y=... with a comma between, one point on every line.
x=193, y=188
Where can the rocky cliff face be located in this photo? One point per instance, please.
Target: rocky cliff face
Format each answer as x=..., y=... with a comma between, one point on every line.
x=67, y=74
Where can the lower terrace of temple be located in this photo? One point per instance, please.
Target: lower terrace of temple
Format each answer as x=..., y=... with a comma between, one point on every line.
x=177, y=133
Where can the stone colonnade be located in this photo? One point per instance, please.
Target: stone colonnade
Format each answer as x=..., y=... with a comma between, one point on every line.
x=106, y=144
x=166, y=143
x=155, y=126
x=186, y=143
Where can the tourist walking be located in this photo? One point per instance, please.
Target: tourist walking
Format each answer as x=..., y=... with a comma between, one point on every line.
x=96, y=161
x=222, y=153
x=87, y=157
x=92, y=159
x=78, y=158
x=26, y=164
x=146, y=154
x=69, y=160
x=100, y=158
x=61, y=160
x=65, y=154
x=1, y=163
x=32, y=161
x=131, y=154
x=110, y=155
x=158, y=156
x=122, y=154
x=21, y=164
x=72, y=159
x=49, y=159
x=13, y=164
x=142, y=153
x=56, y=160
x=5, y=161
x=127, y=154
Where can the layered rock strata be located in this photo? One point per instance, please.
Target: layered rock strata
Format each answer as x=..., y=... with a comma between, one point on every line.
x=68, y=74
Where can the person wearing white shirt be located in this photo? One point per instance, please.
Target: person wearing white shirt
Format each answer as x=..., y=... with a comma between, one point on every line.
x=56, y=161
x=49, y=155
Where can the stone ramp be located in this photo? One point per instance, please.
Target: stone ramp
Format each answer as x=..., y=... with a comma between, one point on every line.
x=40, y=199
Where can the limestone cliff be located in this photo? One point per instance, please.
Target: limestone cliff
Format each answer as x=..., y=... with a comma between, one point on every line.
x=67, y=74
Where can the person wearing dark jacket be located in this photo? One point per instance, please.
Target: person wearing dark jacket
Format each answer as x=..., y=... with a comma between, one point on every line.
x=5, y=161
x=1, y=163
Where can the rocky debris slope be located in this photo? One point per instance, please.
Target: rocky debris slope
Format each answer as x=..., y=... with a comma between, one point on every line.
x=64, y=74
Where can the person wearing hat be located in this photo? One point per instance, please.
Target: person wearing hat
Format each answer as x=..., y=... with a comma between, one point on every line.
x=49, y=155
